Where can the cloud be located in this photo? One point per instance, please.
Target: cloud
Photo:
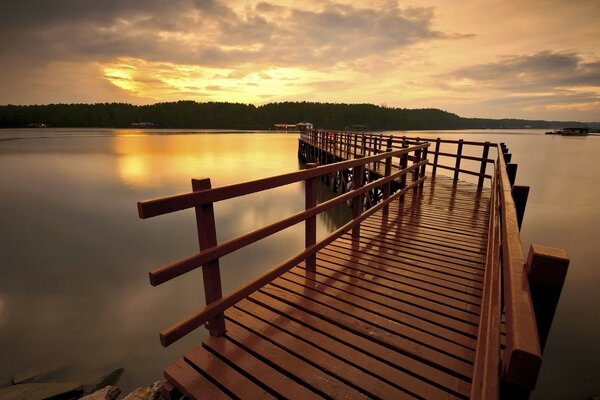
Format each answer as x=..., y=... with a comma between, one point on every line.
x=207, y=32
x=543, y=71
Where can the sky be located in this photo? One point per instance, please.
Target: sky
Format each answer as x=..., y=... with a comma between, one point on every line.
x=534, y=59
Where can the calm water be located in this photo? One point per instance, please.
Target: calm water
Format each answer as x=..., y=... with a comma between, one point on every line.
x=74, y=292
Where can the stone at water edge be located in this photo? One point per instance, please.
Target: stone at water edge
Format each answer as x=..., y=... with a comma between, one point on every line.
x=109, y=379
x=108, y=393
x=40, y=391
x=152, y=392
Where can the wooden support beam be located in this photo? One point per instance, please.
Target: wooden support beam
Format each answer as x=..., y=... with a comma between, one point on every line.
x=435, y=157
x=547, y=269
x=482, y=169
x=357, y=202
x=387, y=186
x=520, y=195
x=211, y=274
x=310, y=234
x=458, y=156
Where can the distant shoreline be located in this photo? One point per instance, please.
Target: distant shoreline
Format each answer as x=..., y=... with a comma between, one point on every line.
x=193, y=115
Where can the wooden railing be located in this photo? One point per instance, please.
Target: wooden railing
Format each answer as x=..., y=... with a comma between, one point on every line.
x=203, y=197
x=345, y=145
x=514, y=367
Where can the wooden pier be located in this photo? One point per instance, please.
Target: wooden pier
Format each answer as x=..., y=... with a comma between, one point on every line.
x=424, y=293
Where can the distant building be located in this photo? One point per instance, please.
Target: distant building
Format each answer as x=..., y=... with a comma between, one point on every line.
x=285, y=126
x=142, y=125
x=304, y=126
x=37, y=125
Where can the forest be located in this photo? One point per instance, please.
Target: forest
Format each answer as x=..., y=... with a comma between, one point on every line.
x=221, y=115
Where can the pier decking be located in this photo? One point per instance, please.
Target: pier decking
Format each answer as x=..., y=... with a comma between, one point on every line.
x=404, y=301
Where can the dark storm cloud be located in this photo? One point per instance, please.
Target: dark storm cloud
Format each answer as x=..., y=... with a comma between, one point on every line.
x=544, y=71
x=204, y=32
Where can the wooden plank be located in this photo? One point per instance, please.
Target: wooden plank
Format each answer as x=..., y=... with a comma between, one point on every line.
x=282, y=385
x=332, y=362
x=220, y=372
x=292, y=306
x=318, y=380
x=354, y=293
x=191, y=383
x=377, y=327
x=336, y=346
x=401, y=269
x=400, y=289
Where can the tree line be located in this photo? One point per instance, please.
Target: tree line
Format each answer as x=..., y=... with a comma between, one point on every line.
x=221, y=115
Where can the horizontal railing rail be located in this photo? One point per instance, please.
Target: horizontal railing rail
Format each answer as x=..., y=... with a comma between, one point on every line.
x=210, y=251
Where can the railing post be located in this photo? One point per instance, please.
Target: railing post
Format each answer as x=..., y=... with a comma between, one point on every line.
x=435, y=157
x=403, y=166
x=357, y=202
x=375, y=151
x=310, y=234
x=507, y=157
x=388, y=171
x=520, y=194
x=417, y=170
x=511, y=171
x=211, y=275
x=458, y=157
x=547, y=269
x=483, y=168
x=422, y=174
x=363, y=149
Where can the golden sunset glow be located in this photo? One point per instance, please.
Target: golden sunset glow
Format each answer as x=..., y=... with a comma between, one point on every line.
x=484, y=58
x=155, y=160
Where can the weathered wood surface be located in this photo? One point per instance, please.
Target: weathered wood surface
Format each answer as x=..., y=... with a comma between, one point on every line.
x=392, y=313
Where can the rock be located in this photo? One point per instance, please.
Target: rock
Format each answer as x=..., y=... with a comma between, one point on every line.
x=40, y=391
x=35, y=374
x=152, y=392
x=109, y=379
x=108, y=393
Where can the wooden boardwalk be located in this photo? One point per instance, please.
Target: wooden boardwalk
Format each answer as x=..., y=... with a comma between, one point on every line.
x=389, y=308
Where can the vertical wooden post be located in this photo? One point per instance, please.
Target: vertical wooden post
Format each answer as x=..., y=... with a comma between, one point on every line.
x=357, y=202
x=520, y=194
x=435, y=157
x=458, y=157
x=375, y=151
x=211, y=275
x=355, y=145
x=511, y=171
x=363, y=149
x=388, y=171
x=422, y=174
x=547, y=269
x=310, y=234
x=483, y=168
x=415, y=171
x=403, y=165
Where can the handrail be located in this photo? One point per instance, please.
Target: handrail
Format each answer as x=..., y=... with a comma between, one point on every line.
x=170, y=271
x=522, y=354
x=211, y=252
x=165, y=205
x=486, y=368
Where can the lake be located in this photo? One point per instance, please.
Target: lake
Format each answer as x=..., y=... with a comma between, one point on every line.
x=74, y=295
